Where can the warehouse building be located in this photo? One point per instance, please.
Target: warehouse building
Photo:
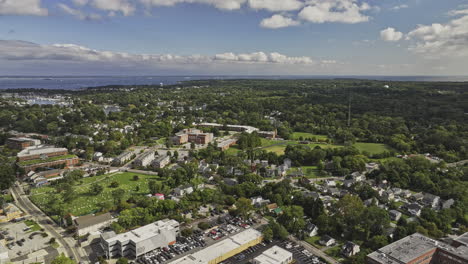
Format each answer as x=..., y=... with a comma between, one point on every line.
x=274, y=255
x=139, y=241
x=224, y=249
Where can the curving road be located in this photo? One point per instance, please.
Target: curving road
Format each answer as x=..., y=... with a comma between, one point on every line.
x=28, y=207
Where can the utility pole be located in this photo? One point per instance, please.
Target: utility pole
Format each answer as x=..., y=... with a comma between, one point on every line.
x=349, y=108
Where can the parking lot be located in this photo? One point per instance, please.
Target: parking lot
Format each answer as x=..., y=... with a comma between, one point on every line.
x=20, y=240
x=300, y=254
x=183, y=246
x=220, y=229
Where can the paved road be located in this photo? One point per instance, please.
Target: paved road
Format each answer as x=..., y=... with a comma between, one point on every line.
x=29, y=208
x=456, y=164
x=313, y=250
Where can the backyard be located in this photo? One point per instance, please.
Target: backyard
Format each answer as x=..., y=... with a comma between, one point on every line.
x=85, y=202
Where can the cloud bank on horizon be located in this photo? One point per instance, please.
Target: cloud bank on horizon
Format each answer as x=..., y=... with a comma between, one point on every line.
x=442, y=43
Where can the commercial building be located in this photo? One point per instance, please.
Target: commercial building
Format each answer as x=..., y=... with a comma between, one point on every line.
x=139, y=241
x=274, y=255
x=92, y=223
x=419, y=249
x=9, y=212
x=21, y=142
x=224, y=249
x=144, y=160
x=161, y=162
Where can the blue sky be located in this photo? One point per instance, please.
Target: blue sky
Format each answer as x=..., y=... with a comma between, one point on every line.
x=312, y=37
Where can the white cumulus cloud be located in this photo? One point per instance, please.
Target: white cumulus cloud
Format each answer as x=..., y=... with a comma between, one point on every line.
x=278, y=21
x=390, y=34
x=398, y=7
x=27, y=51
x=276, y=5
x=342, y=11
x=22, y=7
x=123, y=6
x=78, y=13
x=449, y=39
x=220, y=4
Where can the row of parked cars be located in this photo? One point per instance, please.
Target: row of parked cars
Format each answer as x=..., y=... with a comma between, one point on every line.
x=182, y=246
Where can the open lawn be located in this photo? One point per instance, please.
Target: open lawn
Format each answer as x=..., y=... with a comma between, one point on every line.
x=304, y=135
x=233, y=150
x=314, y=241
x=335, y=252
x=85, y=202
x=372, y=148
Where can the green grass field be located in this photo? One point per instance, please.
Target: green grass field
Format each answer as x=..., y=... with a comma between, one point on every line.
x=233, y=150
x=314, y=241
x=372, y=148
x=33, y=225
x=86, y=203
x=335, y=252
x=304, y=135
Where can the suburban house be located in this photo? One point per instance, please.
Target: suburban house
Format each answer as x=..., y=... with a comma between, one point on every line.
x=311, y=230
x=414, y=209
x=259, y=201
x=431, y=200
x=327, y=241
x=394, y=215
x=447, y=204
x=183, y=190
x=350, y=249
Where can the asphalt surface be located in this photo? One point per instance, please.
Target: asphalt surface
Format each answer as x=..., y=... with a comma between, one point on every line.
x=45, y=221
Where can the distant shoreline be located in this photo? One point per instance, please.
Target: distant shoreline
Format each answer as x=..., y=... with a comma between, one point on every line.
x=81, y=82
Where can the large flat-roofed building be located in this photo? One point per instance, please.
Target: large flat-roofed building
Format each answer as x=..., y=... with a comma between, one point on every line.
x=192, y=135
x=92, y=223
x=43, y=156
x=274, y=255
x=419, y=249
x=226, y=144
x=224, y=249
x=40, y=152
x=139, y=241
x=21, y=142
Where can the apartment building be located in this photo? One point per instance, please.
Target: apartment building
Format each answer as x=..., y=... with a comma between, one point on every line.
x=144, y=160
